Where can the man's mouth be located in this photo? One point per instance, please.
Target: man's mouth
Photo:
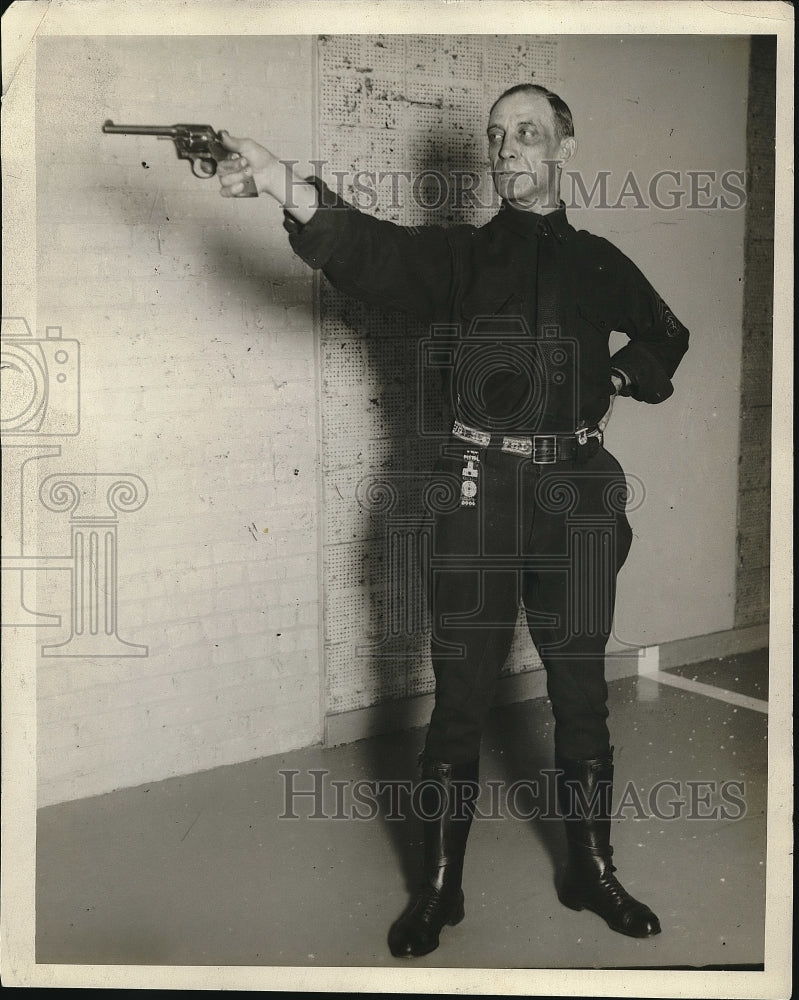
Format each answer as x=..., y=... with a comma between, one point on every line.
x=511, y=176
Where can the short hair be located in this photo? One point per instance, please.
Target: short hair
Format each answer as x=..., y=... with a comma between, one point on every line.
x=564, y=124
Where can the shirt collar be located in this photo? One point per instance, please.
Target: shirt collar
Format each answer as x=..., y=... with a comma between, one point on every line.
x=528, y=223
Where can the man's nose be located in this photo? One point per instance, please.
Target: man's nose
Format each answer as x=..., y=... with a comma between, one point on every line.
x=506, y=150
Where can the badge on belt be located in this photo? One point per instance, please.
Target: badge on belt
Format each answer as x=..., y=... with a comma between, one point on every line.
x=470, y=473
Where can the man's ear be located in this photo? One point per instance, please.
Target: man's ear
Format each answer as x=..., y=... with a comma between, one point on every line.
x=568, y=148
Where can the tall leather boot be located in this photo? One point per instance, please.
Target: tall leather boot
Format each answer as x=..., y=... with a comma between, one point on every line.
x=585, y=792
x=448, y=793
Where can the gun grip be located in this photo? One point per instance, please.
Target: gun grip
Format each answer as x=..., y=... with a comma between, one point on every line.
x=250, y=190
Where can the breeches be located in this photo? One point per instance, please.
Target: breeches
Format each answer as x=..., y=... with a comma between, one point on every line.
x=551, y=537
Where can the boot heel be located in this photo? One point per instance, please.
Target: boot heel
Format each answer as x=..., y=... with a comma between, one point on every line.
x=458, y=912
x=571, y=897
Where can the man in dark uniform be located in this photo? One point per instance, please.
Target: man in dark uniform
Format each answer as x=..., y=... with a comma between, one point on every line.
x=537, y=510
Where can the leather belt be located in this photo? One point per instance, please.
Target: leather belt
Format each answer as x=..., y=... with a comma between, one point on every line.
x=542, y=449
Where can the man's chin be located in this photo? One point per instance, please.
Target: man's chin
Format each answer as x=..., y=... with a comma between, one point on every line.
x=516, y=190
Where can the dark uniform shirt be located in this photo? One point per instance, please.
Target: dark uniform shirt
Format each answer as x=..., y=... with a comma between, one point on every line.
x=527, y=303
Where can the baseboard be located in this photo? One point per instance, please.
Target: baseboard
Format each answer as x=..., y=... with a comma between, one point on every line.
x=707, y=647
x=411, y=713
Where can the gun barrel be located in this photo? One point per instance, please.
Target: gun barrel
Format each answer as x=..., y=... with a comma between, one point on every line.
x=163, y=130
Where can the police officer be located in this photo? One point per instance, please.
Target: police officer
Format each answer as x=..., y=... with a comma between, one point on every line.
x=536, y=508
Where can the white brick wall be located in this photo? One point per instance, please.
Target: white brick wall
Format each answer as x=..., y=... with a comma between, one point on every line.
x=198, y=374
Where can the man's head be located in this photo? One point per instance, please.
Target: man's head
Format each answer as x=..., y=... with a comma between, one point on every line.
x=530, y=137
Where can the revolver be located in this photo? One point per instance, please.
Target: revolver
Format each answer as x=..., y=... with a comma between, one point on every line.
x=198, y=143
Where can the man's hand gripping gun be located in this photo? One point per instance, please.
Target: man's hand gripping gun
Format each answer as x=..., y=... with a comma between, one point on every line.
x=198, y=143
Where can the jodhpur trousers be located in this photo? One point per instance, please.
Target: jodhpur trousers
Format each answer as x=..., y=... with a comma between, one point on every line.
x=552, y=537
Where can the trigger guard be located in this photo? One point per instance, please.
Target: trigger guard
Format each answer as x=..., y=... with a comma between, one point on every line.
x=197, y=168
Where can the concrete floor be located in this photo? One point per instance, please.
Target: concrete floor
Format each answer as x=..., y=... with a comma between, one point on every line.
x=200, y=871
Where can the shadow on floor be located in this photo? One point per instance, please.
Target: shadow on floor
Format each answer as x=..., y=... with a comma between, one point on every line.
x=207, y=870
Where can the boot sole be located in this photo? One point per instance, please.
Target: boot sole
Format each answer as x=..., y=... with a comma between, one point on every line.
x=578, y=905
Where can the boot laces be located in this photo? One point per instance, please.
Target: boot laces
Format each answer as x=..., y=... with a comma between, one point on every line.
x=613, y=886
x=626, y=904
x=429, y=905
x=430, y=901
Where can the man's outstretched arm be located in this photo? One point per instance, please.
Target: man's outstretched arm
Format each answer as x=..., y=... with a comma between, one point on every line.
x=271, y=176
x=387, y=265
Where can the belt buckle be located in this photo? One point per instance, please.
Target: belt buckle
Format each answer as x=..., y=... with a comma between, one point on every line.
x=545, y=449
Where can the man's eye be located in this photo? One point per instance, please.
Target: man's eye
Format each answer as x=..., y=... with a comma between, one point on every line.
x=528, y=133
x=494, y=137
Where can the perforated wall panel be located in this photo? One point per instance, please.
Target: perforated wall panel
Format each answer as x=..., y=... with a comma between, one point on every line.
x=415, y=104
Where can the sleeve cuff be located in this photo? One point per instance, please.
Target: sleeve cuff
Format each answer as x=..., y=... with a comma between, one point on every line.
x=315, y=240
x=648, y=381
x=626, y=381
